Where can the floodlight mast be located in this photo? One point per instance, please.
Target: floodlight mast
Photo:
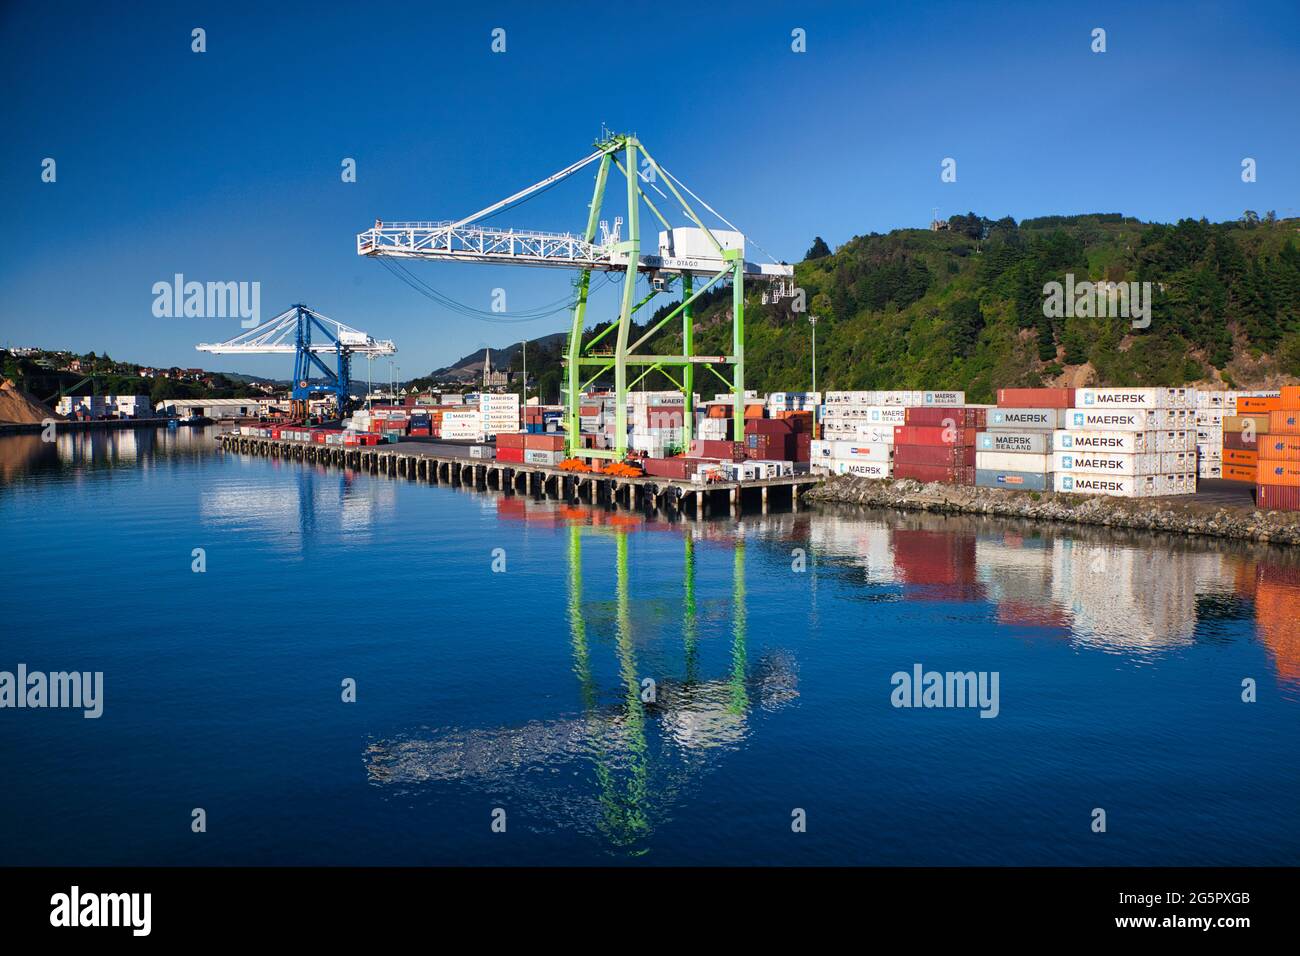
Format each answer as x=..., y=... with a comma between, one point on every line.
x=706, y=254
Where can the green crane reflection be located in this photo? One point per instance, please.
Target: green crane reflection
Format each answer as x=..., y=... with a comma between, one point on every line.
x=643, y=757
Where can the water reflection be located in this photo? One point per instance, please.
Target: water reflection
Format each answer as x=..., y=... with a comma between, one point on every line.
x=642, y=746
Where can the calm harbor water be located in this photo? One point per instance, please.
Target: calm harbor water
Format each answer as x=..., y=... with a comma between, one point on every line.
x=771, y=644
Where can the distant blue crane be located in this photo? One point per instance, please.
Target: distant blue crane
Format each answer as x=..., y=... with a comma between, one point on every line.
x=291, y=331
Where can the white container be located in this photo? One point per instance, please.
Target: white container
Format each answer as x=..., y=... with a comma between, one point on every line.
x=538, y=456
x=1114, y=420
x=1011, y=461
x=1031, y=443
x=1127, y=443
x=863, y=469
x=854, y=451
x=1146, y=398
x=1026, y=419
x=1106, y=463
x=946, y=399
x=1084, y=483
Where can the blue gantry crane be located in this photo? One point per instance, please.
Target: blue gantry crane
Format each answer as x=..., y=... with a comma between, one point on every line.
x=308, y=335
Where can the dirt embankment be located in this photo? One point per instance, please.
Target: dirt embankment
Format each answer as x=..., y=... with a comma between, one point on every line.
x=1180, y=515
x=19, y=407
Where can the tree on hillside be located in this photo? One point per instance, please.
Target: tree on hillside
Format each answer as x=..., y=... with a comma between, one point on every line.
x=818, y=250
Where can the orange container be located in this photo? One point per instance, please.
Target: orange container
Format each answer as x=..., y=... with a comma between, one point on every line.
x=1234, y=456
x=754, y=411
x=1278, y=447
x=1284, y=473
x=1247, y=405
x=1236, y=423
x=1244, y=473
x=1284, y=422
x=1290, y=397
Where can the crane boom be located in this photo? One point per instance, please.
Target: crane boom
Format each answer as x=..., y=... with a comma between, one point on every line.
x=684, y=253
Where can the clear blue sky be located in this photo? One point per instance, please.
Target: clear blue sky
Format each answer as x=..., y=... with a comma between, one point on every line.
x=225, y=165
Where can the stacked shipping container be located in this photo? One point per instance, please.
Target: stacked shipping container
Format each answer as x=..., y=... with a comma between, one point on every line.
x=1016, y=449
x=1278, y=482
x=1127, y=442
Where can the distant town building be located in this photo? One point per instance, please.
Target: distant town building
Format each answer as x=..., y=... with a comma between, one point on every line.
x=105, y=406
x=219, y=408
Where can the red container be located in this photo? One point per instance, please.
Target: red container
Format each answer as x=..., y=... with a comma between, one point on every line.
x=421, y=432
x=949, y=474
x=1277, y=497
x=724, y=450
x=510, y=440
x=935, y=455
x=933, y=435
x=509, y=454
x=1036, y=397
x=928, y=415
x=541, y=442
x=679, y=469
x=768, y=426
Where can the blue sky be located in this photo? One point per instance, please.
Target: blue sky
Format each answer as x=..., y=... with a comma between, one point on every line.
x=224, y=166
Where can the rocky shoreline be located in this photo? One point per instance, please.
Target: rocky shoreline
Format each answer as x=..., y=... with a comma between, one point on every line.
x=1177, y=515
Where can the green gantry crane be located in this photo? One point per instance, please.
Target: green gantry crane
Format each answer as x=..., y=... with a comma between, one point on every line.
x=686, y=251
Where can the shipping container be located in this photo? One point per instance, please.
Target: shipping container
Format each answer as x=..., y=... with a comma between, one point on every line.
x=935, y=455
x=1083, y=483
x=1106, y=463
x=851, y=451
x=1036, y=397
x=1284, y=422
x=1243, y=441
x=1017, y=480
x=538, y=456
x=1114, y=442
x=509, y=454
x=1012, y=461
x=946, y=417
x=1110, y=420
x=948, y=474
x=1232, y=456
x=1026, y=419
x=1279, y=472
x=541, y=442
x=933, y=435
x=1239, y=423
x=1246, y=473
x=944, y=398
x=1247, y=405
x=1272, y=497
x=722, y=450
x=1134, y=398
x=1278, y=447
x=1033, y=443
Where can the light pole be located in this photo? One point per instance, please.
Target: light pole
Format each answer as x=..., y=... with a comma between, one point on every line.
x=524, y=343
x=812, y=320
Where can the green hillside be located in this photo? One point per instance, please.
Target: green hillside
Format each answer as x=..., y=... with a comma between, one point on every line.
x=962, y=308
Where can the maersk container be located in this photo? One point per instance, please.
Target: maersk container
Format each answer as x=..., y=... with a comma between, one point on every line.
x=1146, y=398
x=1084, y=483
x=1024, y=419
x=1128, y=443
x=1032, y=443
x=863, y=469
x=1177, y=461
x=1105, y=463
x=944, y=398
x=1111, y=420
x=886, y=415
x=1012, y=461
x=537, y=456
x=1018, y=480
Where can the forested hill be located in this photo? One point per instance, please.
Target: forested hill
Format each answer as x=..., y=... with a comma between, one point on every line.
x=962, y=308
